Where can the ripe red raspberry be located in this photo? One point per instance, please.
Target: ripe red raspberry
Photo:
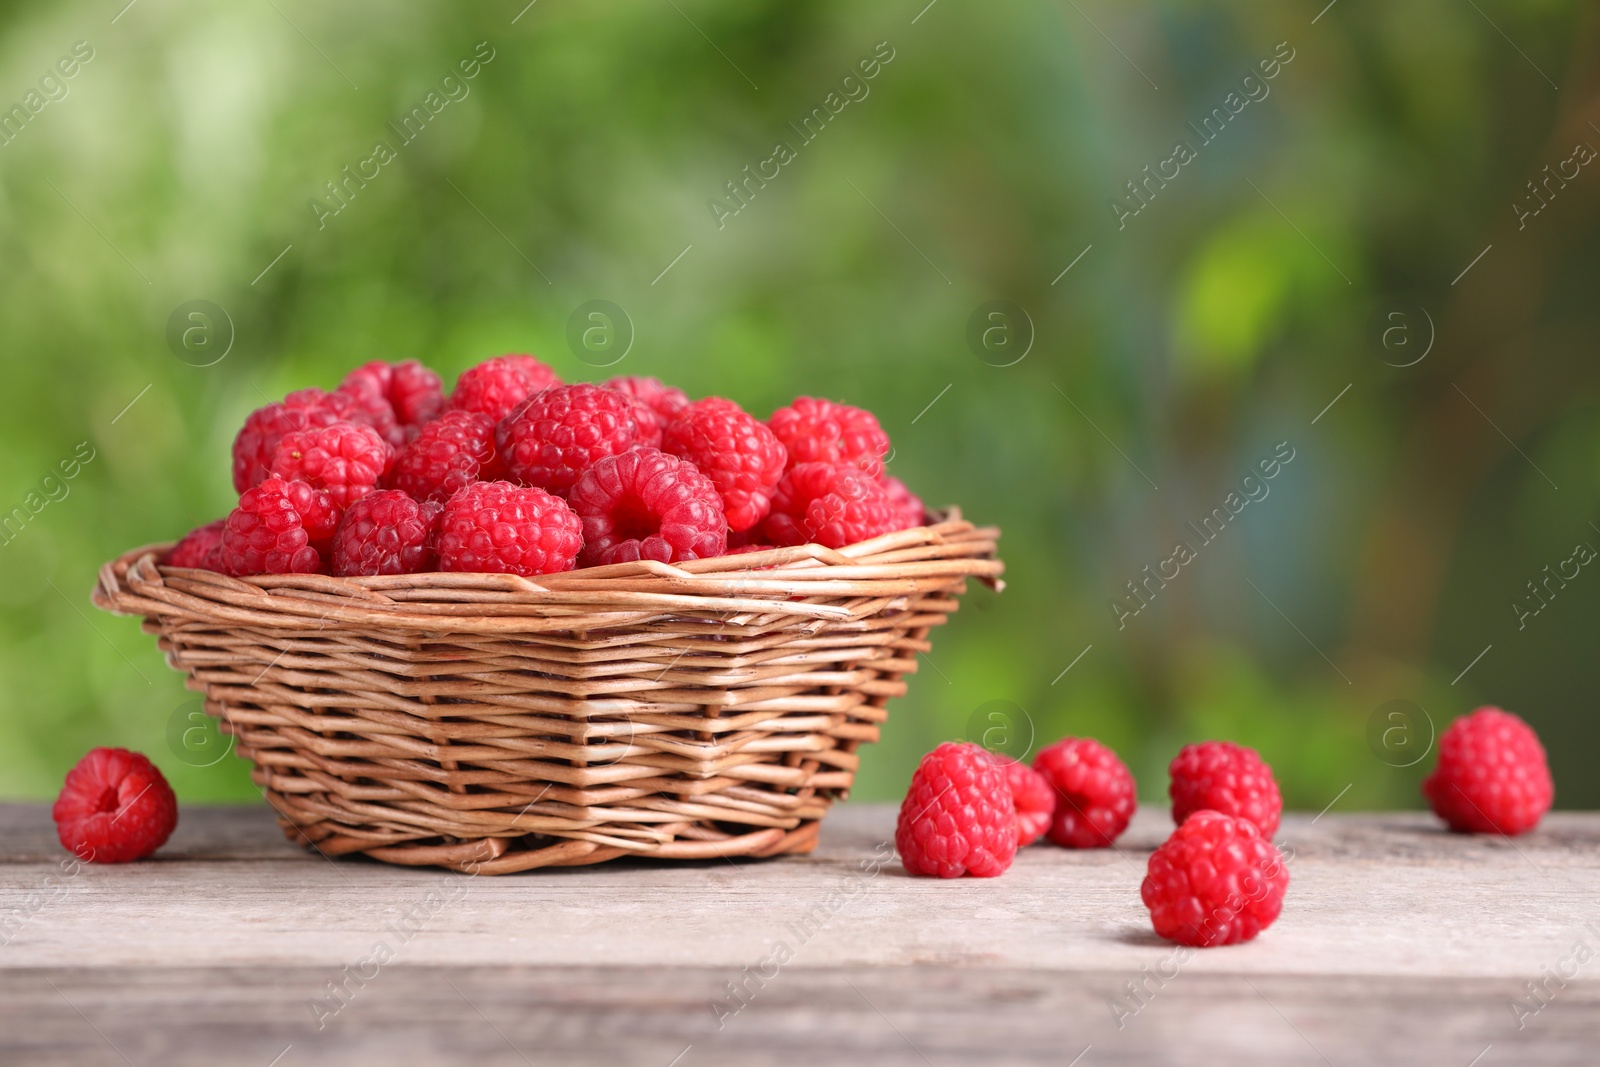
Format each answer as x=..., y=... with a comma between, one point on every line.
x=958, y=816
x=386, y=532
x=829, y=504
x=412, y=392
x=374, y=411
x=557, y=434
x=1094, y=790
x=307, y=409
x=820, y=431
x=279, y=527
x=645, y=504
x=906, y=504
x=114, y=807
x=738, y=539
x=647, y=428
x=736, y=451
x=501, y=528
x=667, y=403
x=1225, y=777
x=347, y=459
x=497, y=385
x=448, y=453
x=1034, y=800
x=1492, y=776
x=1216, y=881
x=199, y=549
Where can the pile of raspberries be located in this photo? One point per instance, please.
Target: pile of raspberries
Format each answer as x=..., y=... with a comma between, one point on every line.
x=1218, y=880
x=516, y=472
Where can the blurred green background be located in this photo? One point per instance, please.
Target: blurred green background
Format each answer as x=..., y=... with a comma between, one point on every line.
x=1252, y=289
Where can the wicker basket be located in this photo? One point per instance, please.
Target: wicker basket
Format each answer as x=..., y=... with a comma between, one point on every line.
x=490, y=723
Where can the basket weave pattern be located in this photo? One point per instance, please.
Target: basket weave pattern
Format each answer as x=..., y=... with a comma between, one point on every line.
x=491, y=723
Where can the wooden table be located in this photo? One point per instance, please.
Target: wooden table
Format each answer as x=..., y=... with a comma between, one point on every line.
x=1398, y=944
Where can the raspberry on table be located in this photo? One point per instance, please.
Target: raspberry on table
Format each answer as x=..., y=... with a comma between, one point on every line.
x=279, y=527
x=735, y=450
x=958, y=816
x=821, y=431
x=497, y=385
x=557, y=434
x=347, y=459
x=501, y=528
x=1034, y=800
x=305, y=409
x=830, y=504
x=667, y=402
x=115, y=807
x=906, y=503
x=1225, y=777
x=646, y=504
x=1215, y=881
x=1094, y=792
x=451, y=452
x=199, y=549
x=413, y=393
x=386, y=532
x=1492, y=775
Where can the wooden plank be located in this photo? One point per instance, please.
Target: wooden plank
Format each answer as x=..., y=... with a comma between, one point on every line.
x=1369, y=895
x=888, y=1016
x=1399, y=943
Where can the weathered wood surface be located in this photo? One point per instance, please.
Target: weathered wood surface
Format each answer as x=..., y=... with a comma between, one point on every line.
x=1399, y=944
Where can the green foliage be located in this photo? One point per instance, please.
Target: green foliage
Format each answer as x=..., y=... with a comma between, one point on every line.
x=584, y=156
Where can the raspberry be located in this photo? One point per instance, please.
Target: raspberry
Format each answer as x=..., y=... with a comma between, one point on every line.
x=114, y=807
x=830, y=504
x=645, y=504
x=820, y=431
x=386, y=532
x=448, y=453
x=557, y=434
x=906, y=504
x=1225, y=777
x=957, y=817
x=307, y=409
x=498, y=527
x=647, y=424
x=497, y=385
x=1215, y=881
x=667, y=403
x=198, y=549
x=1094, y=790
x=736, y=451
x=1032, y=797
x=1492, y=776
x=413, y=393
x=373, y=410
x=347, y=459
x=278, y=528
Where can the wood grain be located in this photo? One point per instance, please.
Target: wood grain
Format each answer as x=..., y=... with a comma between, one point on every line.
x=1398, y=944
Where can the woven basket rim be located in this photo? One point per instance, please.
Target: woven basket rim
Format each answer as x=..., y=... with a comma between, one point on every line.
x=778, y=584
